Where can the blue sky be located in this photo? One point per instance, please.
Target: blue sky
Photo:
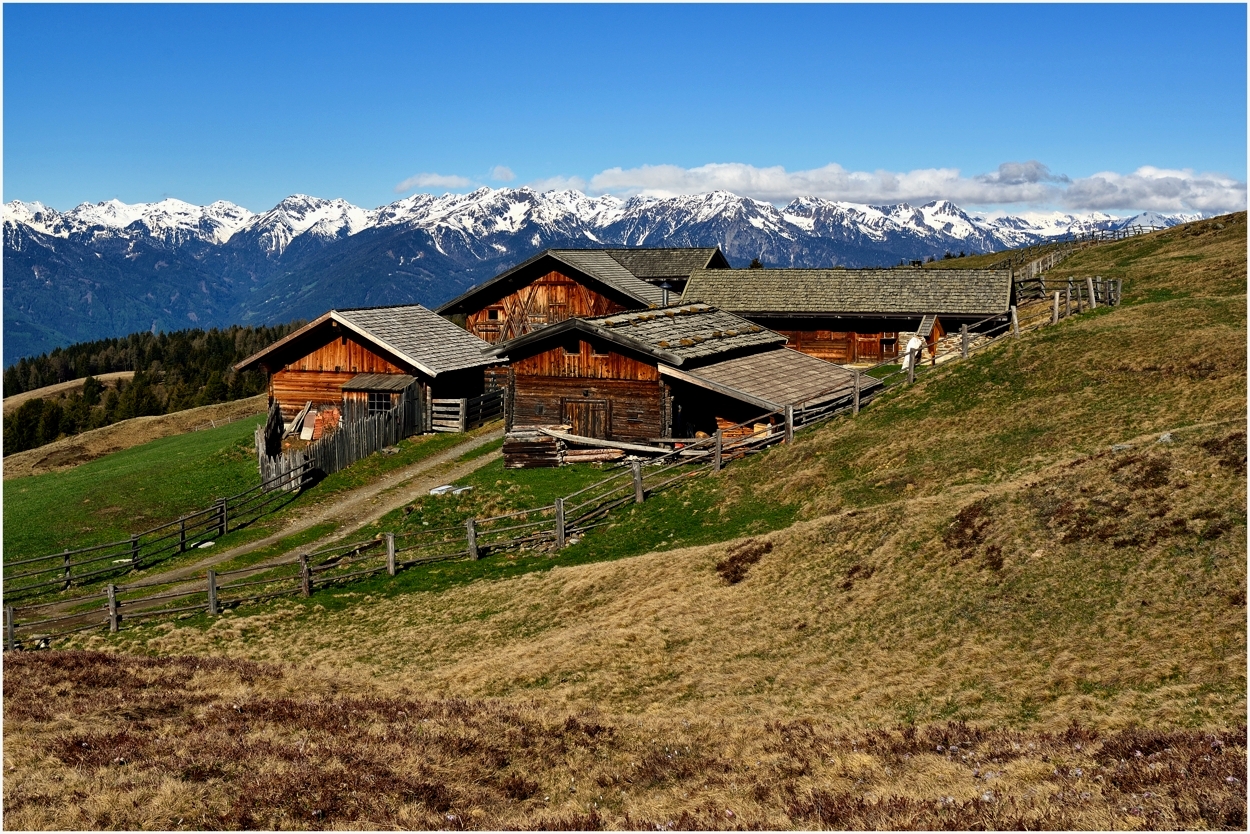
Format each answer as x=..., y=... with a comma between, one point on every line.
x=1117, y=107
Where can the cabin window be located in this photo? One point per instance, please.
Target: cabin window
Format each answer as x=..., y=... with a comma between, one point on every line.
x=379, y=402
x=572, y=347
x=596, y=350
x=540, y=409
x=492, y=313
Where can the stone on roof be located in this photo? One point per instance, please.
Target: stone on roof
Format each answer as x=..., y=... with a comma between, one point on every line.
x=853, y=291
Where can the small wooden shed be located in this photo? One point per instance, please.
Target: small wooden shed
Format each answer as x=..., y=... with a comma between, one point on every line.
x=670, y=372
x=363, y=361
x=856, y=315
x=559, y=284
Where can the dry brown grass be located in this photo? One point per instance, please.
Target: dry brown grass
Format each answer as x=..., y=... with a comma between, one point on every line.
x=112, y=741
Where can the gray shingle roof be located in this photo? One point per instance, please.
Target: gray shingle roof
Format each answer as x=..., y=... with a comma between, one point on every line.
x=423, y=337
x=678, y=335
x=862, y=291
x=775, y=378
x=600, y=264
x=655, y=264
x=420, y=337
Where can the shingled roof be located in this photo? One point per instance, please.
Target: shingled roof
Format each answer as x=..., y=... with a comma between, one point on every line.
x=774, y=378
x=853, y=291
x=415, y=335
x=679, y=335
x=658, y=264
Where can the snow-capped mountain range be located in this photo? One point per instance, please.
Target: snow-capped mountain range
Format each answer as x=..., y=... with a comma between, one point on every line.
x=106, y=269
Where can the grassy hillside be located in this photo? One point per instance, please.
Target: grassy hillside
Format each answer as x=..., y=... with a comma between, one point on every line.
x=1044, y=544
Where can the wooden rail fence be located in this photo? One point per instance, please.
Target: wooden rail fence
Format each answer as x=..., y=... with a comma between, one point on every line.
x=551, y=526
x=460, y=415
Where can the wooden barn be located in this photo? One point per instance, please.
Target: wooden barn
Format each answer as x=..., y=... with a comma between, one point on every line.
x=852, y=316
x=560, y=284
x=670, y=372
x=359, y=362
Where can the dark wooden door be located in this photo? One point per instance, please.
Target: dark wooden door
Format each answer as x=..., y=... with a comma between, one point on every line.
x=589, y=418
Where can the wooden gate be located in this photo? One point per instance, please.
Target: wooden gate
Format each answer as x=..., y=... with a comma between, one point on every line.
x=588, y=418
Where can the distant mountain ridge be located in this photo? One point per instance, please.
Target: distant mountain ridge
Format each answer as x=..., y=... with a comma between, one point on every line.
x=107, y=269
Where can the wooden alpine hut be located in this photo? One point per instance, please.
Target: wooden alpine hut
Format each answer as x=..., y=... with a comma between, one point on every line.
x=559, y=284
x=852, y=316
x=642, y=376
x=357, y=362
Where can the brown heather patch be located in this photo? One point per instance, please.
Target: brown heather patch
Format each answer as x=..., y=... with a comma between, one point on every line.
x=739, y=558
x=223, y=758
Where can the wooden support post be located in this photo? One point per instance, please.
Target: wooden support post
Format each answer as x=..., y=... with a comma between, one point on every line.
x=963, y=332
x=65, y=567
x=1119, y=286
x=789, y=424
x=1054, y=311
x=855, y=399
x=464, y=415
x=182, y=534
x=390, y=554
x=221, y=516
x=1067, y=302
x=112, y=600
x=471, y=536
x=212, y=593
x=134, y=552
x=10, y=641
x=635, y=466
x=1093, y=302
x=716, y=460
x=560, y=531
x=1015, y=322
x=911, y=365
x=305, y=576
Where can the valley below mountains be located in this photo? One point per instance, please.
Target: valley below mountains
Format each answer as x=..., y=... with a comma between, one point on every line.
x=108, y=269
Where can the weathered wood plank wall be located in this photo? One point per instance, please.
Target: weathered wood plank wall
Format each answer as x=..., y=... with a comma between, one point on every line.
x=549, y=299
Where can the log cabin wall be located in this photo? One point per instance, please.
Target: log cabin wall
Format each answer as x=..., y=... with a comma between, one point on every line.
x=599, y=392
x=319, y=374
x=841, y=347
x=549, y=299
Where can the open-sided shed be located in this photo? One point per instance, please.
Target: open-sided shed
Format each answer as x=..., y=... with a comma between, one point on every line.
x=855, y=315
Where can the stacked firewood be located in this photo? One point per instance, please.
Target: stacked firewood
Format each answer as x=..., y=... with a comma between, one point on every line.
x=529, y=448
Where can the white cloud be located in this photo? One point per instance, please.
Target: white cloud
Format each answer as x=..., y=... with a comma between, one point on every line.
x=558, y=184
x=502, y=173
x=432, y=181
x=1028, y=183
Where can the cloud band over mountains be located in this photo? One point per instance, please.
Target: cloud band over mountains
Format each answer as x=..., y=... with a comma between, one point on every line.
x=1014, y=183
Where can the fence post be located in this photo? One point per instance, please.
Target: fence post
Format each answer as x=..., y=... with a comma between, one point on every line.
x=221, y=517
x=1119, y=286
x=1054, y=312
x=471, y=531
x=134, y=552
x=10, y=643
x=464, y=415
x=65, y=559
x=1067, y=302
x=1093, y=302
x=635, y=466
x=716, y=461
x=390, y=554
x=855, y=400
x=212, y=593
x=789, y=424
x=182, y=534
x=963, y=331
x=560, y=531
x=1015, y=322
x=113, y=618
x=305, y=576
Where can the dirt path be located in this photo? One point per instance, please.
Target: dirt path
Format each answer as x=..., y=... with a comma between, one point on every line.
x=361, y=506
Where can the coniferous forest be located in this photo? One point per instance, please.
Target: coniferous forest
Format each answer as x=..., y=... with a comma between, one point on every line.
x=173, y=371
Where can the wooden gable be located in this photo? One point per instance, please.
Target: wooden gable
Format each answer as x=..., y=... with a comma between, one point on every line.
x=549, y=299
x=318, y=366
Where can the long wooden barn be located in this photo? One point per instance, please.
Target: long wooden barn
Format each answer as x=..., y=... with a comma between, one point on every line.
x=361, y=361
x=855, y=315
x=560, y=284
x=671, y=372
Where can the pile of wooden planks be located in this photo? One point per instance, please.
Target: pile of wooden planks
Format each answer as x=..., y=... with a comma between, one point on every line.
x=531, y=449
